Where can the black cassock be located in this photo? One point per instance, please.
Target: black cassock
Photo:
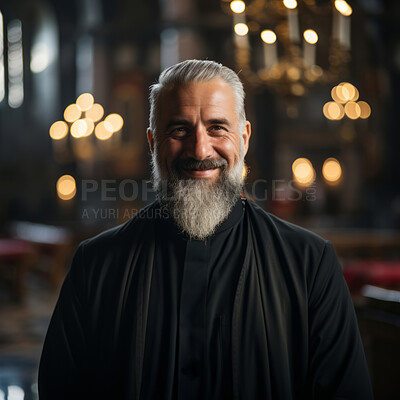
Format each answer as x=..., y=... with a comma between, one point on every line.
x=260, y=310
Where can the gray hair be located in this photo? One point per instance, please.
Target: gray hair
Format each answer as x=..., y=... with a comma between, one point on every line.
x=196, y=71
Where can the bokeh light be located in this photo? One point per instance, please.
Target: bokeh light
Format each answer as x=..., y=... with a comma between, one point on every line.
x=58, y=130
x=344, y=92
x=72, y=113
x=356, y=95
x=303, y=171
x=241, y=29
x=365, y=109
x=66, y=187
x=352, y=110
x=85, y=101
x=79, y=128
x=343, y=7
x=291, y=4
x=95, y=113
x=349, y=91
x=333, y=111
x=104, y=130
x=347, y=95
x=89, y=126
x=310, y=36
x=340, y=94
x=116, y=121
x=331, y=170
x=84, y=118
x=237, y=6
x=293, y=73
x=268, y=36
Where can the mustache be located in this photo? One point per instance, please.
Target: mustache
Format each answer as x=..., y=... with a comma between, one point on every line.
x=200, y=165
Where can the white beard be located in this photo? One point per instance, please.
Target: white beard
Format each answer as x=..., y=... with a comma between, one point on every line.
x=197, y=205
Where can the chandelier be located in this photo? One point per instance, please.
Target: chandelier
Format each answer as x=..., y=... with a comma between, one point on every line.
x=290, y=45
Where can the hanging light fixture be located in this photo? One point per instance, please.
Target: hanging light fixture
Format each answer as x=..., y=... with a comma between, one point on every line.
x=290, y=45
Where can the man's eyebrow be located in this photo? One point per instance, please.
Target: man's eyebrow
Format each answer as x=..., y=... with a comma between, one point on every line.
x=219, y=121
x=178, y=121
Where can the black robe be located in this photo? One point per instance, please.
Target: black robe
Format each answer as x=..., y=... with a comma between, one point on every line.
x=294, y=333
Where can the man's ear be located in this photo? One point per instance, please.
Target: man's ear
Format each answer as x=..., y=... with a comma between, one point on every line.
x=150, y=139
x=246, y=136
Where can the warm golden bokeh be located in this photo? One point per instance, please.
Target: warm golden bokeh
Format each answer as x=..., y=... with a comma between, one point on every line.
x=291, y=4
x=352, y=110
x=237, y=6
x=58, y=130
x=333, y=111
x=310, y=36
x=340, y=94
x=349, y=91
x=89, y=126
x=116, y=121
x=72, y=113
x=95, y=113
x=331, y=170
x=365, y=109
x=303, y=171
x=104, y=130
x=85, y=101
x=268, y=36
x=241, y=29
x=345, y=96
x=79, y=128
x=293, y=73
x=66, y=187
x=343, y=7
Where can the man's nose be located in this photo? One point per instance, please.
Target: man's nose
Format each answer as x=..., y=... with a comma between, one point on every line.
x=199, y=146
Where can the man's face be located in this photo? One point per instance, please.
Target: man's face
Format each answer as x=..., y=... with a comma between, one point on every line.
x=198, y=122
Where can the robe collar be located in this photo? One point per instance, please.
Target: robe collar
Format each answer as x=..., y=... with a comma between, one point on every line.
x=234, y=216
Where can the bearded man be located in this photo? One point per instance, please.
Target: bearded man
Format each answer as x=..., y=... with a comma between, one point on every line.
x=203, y=295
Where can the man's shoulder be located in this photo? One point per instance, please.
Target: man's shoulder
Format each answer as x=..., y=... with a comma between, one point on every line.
x=282, y=231
x=291, y=248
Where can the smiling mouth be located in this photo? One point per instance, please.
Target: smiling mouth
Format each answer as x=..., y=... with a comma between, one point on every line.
x=200, y=168
x=200, y=173
x=190, y=164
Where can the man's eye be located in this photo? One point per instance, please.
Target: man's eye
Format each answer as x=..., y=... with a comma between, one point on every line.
x=217, y=128
x=180, y=131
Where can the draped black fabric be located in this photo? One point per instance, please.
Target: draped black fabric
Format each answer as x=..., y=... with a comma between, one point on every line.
x=187, y=351
x=258, y=311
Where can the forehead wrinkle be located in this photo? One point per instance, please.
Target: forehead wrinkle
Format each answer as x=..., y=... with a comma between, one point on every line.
x=185, y=94
x=187, y=103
